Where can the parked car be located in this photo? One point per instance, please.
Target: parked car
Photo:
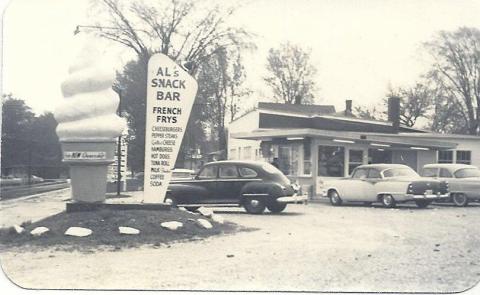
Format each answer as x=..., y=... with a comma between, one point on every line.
x=464, y=181
x=180, y=173
x=253, y=185
x=10, y=180
x=386, y=183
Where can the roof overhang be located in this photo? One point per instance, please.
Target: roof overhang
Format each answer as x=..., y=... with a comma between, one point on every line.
x=375, y=139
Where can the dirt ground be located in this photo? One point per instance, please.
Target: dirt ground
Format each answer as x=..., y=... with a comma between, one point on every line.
x=307, y=248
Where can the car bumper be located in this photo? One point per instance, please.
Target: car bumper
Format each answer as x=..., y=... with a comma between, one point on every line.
x=293, y=199
x=428, y=197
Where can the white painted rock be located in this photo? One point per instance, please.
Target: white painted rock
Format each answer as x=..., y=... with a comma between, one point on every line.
x=18, y=229
x=205, y=211
x=218, y=218
x=38, y=231
x=182, y=209
x=204, y=223
x=125, y=230
x=171, y=225
x=78, y=231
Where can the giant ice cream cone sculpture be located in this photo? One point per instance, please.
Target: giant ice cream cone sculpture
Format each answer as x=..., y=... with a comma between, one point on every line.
x=88, y=125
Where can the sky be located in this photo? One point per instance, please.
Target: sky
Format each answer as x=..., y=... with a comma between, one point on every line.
x=358, y=47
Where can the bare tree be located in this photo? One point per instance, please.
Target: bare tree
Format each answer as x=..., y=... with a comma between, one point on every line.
x=372, y=113
x=181, y=29
x=456, y=70
x=415, y=102
x=291, y=74
x=221, y=84
x=185, y=30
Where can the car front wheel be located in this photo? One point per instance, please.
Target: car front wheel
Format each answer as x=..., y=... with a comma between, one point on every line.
x=422, y=203
x=276, y=207
x=254, y=206
x=388, y=201
x=460, y=200
x=335, y=199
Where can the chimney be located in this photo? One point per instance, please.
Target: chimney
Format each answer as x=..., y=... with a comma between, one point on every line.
x=394, y=112
x=348, y=107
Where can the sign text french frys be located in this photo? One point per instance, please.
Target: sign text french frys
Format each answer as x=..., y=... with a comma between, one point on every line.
x=170, y=95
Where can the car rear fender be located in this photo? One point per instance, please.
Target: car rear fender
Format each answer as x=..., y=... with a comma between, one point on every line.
x=264, y=190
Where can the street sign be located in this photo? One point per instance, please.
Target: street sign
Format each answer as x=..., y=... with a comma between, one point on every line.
x=170, y=95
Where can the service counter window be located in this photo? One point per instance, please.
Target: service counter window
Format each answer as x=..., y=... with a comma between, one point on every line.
x=355, y=160
x=247, y=153
x=379, y=156
x=445, y=157
x=464, y=157
x=289, y=159
x=331, y=161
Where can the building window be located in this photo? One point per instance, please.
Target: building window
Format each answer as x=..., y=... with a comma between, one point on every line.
x=247, y=153
x=464, y=157
x=232, y=153
x=379, y=156
x=355, y=160
x=445, y=157
x=331, y=161
x=289, y=159
x=307, y=161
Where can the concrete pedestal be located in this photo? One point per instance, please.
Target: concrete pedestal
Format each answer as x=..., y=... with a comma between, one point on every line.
x=88, y=163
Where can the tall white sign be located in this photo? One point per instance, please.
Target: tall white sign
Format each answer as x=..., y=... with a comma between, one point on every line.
x=170, y=95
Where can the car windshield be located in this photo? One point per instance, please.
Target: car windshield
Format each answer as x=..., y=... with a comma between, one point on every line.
x=399, y=172
x=467, y=173
x=270, y=169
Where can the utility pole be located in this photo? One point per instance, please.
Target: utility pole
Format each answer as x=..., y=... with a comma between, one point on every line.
x=119, y=147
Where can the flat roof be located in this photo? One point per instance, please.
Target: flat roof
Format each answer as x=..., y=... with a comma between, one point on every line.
x=385, y=139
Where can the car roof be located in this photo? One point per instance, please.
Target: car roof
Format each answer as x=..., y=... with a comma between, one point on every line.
x=383, y=166
x=237, y=162
x=182, y=170
x=449, y=166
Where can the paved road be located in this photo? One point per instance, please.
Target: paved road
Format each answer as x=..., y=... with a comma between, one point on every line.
x=308, y=248
x=16, y=191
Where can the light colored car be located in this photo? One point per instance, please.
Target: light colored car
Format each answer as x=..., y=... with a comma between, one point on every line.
x=464, y=181
x=386, y=183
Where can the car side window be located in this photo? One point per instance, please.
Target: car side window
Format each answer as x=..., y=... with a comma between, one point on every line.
x=228, y=171
x=247, y=172
x=208, y=172
x=430, y=172
x=360, y=174
x=445, y=173
x=374, y=173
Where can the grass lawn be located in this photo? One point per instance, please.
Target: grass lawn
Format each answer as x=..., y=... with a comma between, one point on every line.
x=105, y=223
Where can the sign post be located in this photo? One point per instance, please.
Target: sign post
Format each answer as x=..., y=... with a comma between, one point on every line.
x=171, y=92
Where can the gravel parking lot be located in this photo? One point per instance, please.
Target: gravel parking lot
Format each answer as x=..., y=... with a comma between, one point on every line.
x=307, y=248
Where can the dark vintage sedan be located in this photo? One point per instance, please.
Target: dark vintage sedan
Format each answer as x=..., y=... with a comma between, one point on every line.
x=253, y=185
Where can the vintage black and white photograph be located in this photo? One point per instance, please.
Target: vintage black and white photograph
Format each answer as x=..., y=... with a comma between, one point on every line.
x=257, y=145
